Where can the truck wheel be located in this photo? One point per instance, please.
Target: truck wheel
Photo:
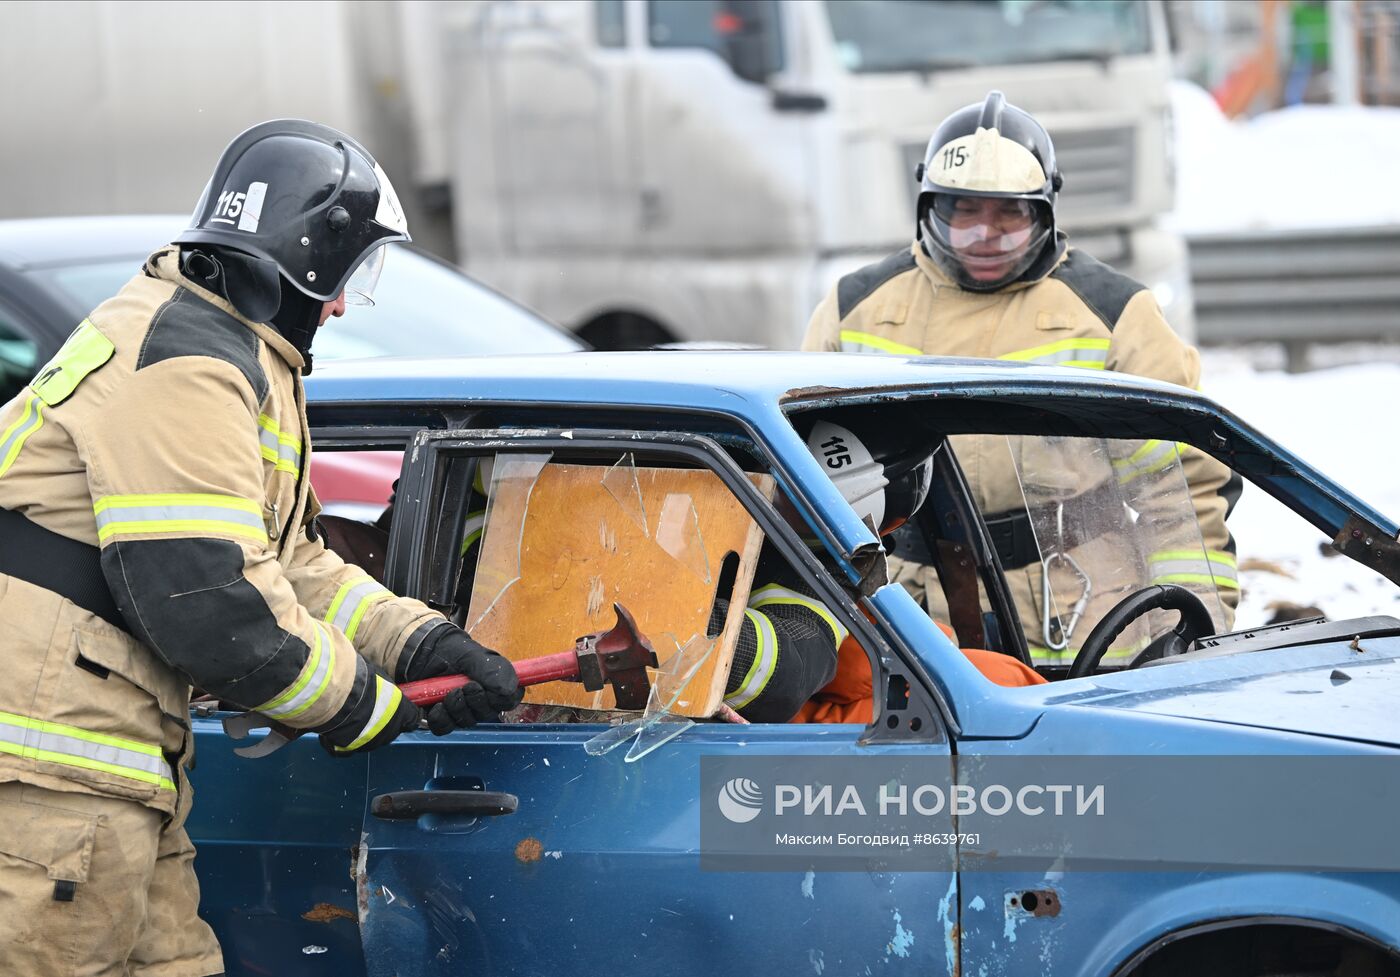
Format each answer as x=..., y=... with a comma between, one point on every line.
x=624, y=330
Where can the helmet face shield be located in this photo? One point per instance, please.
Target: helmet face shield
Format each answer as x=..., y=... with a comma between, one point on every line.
x=359, y=290
x=987, y=190
x=984, y=242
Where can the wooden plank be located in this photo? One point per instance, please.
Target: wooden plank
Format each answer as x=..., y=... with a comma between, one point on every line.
x=559, y=549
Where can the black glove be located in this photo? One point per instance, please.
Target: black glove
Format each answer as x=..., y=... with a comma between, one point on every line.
x=361, y=731
x=493, y=689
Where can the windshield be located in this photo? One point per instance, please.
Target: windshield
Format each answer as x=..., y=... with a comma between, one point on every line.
x=422, y=308
x=922, y=35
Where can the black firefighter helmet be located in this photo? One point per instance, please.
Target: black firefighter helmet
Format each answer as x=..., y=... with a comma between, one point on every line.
x=987, y=187
x=295, y=213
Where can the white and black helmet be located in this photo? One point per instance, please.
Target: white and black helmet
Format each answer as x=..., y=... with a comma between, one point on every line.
x=885, y=479
x=987, y=189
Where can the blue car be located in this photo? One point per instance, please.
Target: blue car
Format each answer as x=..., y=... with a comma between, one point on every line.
x=528, y=848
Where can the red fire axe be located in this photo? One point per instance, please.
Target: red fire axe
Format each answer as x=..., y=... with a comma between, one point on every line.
x=618, y=657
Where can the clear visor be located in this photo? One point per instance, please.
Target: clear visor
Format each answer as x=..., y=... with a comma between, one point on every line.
x=992, y=238
x=359, y=290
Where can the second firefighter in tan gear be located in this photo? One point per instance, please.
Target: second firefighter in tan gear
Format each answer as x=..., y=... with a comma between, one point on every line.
x=976, y=283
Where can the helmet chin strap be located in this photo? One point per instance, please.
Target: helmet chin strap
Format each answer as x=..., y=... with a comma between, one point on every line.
x=297, y=319
x=254, y=287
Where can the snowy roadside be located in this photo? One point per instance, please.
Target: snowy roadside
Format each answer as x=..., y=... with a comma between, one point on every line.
x=1265, y=172
x=1346, y=422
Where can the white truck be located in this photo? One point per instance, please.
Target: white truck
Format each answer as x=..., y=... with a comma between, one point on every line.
x=646, y=171
x=638, y=170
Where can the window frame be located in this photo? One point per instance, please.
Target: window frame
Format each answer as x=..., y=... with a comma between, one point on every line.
x=421, y=539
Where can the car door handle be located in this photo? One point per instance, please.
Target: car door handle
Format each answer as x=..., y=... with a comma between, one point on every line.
x=405, y=805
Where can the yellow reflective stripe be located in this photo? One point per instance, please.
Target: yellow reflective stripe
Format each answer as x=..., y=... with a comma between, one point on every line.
x=1208, y=567
x=30, y=420
x=270, y=426
x=1200, y=578
x=77, y=732
x=200, y=527
x=1044, y=656
x=1152, y=456
x=775, y=594
x=278, y=447
x=282, y=465
x=363, y=607
x=177, y=498
x=1065, y=352
x=85, y=763
x=77, y=747
x=386, y=702
x=765, y=661
x=351, y=602
x=1214, y=556
x=317, y=670
x=476, y=522
x=877, y=342
x=178, y=513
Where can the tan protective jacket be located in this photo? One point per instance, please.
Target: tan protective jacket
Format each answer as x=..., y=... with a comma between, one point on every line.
x=1080, y=313
x=171, y=432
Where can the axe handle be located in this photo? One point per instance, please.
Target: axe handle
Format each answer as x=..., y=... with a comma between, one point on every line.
x=531, y=671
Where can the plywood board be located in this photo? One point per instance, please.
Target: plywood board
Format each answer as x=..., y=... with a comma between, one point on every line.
x=563, y=542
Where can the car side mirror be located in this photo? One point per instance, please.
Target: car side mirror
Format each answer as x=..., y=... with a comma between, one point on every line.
x=752, y=45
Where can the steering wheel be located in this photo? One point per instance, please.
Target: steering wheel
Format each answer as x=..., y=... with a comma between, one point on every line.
x=1195, y=623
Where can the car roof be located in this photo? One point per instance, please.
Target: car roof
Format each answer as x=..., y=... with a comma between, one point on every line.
x=704, y=380
x=74, y=240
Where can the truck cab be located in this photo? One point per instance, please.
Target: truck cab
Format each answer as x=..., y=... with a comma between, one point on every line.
x=646, y=171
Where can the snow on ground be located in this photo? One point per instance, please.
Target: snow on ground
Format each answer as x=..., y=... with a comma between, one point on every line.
x=1346, y=422
x=1311, y=166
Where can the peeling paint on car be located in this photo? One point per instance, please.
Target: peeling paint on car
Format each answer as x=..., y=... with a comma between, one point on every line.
x=324, y=912
x=1014, y=916
x=948, y=916
x=902, y=940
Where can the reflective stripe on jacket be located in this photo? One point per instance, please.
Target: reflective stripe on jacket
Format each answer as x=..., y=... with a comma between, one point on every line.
x=171, y=433
x=1080, y=315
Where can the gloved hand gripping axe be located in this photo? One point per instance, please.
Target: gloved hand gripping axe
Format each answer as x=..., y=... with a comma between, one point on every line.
x=618, y=657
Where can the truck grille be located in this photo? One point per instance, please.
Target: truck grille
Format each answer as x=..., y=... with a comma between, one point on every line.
x=1098, y=164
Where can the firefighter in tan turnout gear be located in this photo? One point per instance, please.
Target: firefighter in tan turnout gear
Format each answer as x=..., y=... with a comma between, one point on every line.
x=156, y=532
x=988, y=275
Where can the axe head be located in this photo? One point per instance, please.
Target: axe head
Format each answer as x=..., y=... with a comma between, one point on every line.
x=618, y=657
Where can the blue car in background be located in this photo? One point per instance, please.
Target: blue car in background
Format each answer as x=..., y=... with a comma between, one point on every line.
x=594, y=867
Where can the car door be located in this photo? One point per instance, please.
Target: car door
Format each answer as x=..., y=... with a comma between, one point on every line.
x=277, y=844
x=595, y=863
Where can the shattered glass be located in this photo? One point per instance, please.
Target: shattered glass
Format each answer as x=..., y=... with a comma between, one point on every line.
x=678, y=533
x=658, y=724
x=513, y=478
x=621, y=483
x=1109, y=518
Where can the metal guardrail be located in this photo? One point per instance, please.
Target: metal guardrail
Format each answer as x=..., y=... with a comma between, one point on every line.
x=1298, y=286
